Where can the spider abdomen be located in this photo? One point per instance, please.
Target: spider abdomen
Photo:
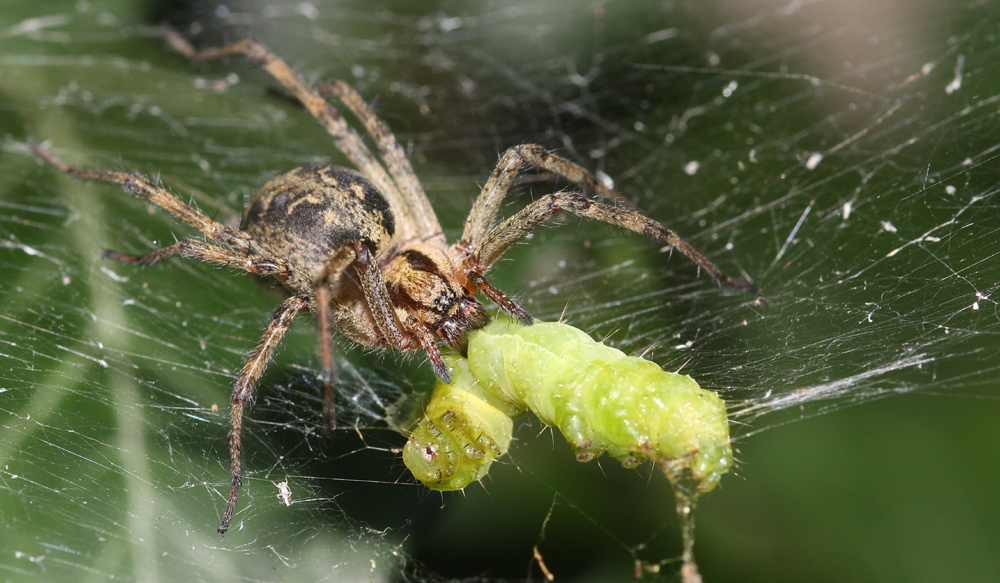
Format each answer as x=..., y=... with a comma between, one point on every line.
x=307, y=214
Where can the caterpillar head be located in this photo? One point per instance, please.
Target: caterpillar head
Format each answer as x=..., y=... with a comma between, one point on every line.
x=459, y=436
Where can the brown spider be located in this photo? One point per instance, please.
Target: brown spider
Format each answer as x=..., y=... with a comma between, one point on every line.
x=363, y=250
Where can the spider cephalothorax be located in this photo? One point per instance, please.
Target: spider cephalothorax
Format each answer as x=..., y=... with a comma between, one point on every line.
x=363, y=250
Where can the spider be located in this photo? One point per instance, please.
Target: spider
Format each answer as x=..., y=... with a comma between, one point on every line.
x=363, y=250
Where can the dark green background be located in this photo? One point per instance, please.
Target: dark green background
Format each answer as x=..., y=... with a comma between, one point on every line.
x=113, y=462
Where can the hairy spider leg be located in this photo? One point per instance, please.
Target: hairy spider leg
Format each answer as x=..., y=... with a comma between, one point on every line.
x=393, y=155
x=335, y=267
x=487, y=206
x=388, y=330
x=507, y=303
x=484, y=212
x=345, y=138
x=501, y=238
x=243, y=391
x=197, y=249
x=250, y=258
x=144, y=188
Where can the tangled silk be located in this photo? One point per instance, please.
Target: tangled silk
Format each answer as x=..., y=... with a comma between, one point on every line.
x=602, y=400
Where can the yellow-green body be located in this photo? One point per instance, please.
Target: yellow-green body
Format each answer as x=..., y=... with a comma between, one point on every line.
x=600, y=399
x=464, y=428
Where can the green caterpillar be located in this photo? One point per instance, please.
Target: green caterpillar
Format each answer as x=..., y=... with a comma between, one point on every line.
x=602, y=400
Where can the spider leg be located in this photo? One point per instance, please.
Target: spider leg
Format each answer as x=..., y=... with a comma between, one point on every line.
x=347, y=321
x=501, y=238
x=507, y=303
x=426, y=340
x=390, y=331
x=377, y=298
x=145, y=189
x=486, y=207
x=392, y=153
x=243, y=391
x=345, y=138
x=195, y=249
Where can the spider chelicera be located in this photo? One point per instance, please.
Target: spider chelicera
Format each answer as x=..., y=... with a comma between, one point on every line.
x=363, y=250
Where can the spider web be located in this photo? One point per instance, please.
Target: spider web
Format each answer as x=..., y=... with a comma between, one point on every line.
x=842, y=155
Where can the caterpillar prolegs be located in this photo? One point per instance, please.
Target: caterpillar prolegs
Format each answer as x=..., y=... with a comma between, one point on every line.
x=464, y=428
x=602, y=401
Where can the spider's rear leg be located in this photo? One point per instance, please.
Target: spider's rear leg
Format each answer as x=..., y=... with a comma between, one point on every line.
x=146, y=189
x=346, y=139
x=246, y=384
x=202, y=251
x=504, y=235
x=392, y=153
x=325, y=307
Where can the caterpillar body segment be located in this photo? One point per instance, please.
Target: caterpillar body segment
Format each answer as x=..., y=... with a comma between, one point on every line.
x=602, y=400
x=463, y=430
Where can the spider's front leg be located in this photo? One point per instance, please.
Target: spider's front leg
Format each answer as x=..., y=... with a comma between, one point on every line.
x=497, y=241
x=483, y=243
x=478, y=281
x=486, y=207
x=243, y=391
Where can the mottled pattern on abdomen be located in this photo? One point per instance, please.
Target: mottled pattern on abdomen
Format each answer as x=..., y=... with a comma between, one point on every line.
x=308, y=213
